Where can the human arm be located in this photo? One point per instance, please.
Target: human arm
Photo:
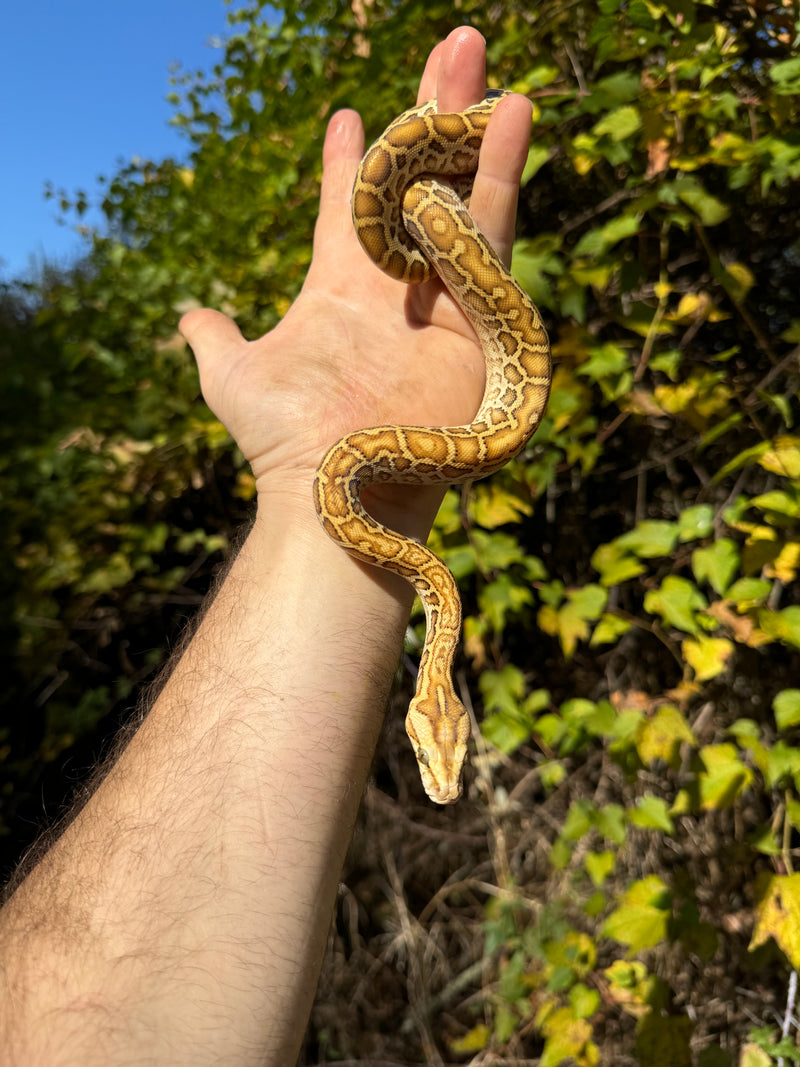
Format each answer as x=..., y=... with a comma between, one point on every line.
x=181, y=917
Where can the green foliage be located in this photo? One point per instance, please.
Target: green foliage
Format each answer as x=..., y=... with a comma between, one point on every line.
x=631, y=588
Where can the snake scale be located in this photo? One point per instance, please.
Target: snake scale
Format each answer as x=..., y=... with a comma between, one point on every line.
x=410, y=211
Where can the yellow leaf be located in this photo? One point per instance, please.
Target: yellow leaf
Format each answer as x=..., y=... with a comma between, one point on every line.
x=660, y=736
x=707, y=656
x=567, y=1038
x=630, y=986
x=778, y=916
x=472, y=1041
x=493, y=506
x=754, y=1056
x=583, y=164
x=785, y=565
x=693, y=306
x=784, y=458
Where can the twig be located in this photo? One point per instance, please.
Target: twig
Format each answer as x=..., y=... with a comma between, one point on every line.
x=788, y=1017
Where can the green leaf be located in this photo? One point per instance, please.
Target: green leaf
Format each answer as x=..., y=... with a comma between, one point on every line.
x=652, y=813
x=748, y=591
x=501, y=598
x=786, y=707
x=598, y=241
x=619, y=123
x=695, y=522
x=615, y=564
x=538, y=155
x=609, y=630
x=725, y=777
x=786, y=76
x=642, y=918
x=710, y=210
x=650, y=539
x=783, y=625
x=599, y=866
x=610, y=822
x=676, y=602
x=716, y=564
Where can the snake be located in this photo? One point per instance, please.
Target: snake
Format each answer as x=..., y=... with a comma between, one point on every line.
x=410, y=208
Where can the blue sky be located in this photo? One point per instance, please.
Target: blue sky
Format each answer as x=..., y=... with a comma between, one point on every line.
x=82, y=84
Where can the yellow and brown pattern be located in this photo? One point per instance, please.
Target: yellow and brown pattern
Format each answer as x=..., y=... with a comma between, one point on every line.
x=409, y=216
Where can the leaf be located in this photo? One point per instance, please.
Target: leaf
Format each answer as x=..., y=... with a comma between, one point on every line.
x=676, y=602
x=608, y=630
x=724, y=779
x=778, y=916
x=642, y=917
x=662, y=1039
x=710, y=210
x=501, y=598
x=753, y=1055
x=778, y=504
x=610, y=822
x=786, y=76
x=716, y=564
x=707, y=656
x=695, y=522
x=493, y=506
x=538, y=155
x=650, y=539
x=783, y=625
x=786, y=707
x=570, y=621
x=661, y=735
x=615, y=564
x=567, y=1038
x=632, y=987
x=598, y=241
x=652, y=813
x=473, y=1040
x=783, y=457
x=599, y=866
x=619, y=123
x=746, y=591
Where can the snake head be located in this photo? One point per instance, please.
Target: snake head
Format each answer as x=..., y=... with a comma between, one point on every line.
x=439, y=731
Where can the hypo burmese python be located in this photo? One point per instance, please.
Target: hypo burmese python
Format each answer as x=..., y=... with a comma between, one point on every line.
x=406, y=218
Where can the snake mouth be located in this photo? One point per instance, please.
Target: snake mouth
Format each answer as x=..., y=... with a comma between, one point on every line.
x=447, y=792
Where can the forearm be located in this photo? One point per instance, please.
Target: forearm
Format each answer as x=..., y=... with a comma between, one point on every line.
x=182, y=916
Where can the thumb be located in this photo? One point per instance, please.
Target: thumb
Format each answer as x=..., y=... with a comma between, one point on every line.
x=209, y=334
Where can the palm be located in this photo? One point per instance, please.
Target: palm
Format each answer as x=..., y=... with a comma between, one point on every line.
x=358, y=349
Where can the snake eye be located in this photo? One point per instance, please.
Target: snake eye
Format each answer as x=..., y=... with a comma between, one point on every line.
x=423, y=758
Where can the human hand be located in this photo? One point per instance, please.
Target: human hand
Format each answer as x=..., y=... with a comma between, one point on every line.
x=358, y=349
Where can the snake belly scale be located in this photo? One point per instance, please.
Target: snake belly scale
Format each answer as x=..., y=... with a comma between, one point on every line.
x=410, y=212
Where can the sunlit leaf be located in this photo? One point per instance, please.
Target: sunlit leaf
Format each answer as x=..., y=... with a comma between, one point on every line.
x=641, y=919
x=725, y=776
x=786, y=706
x=676, y=602
x=707, y=656
x=660, y=736
x=778, y=916
x=716, y=564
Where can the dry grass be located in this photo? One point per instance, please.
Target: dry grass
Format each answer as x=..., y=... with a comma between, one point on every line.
x=407, y=969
